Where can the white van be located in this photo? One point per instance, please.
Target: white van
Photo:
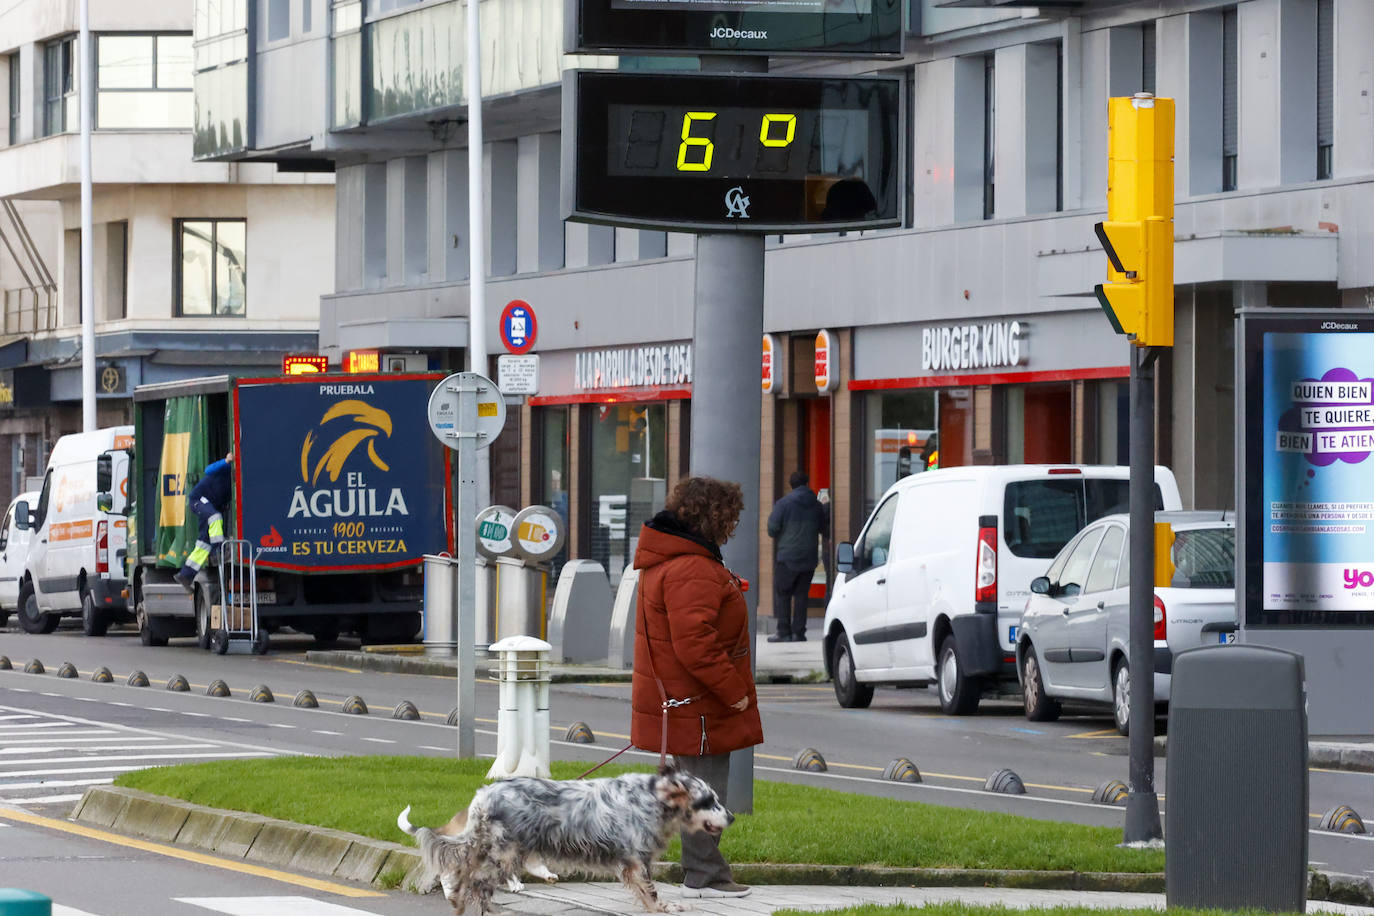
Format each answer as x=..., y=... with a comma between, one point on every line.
x=933, y=588
x=74, y=565
x=14, y=553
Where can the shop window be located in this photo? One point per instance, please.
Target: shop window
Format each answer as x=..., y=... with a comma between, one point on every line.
x=1039, y=424
x=551, y=483
x=955, y=439
x=899, y=439
x=629, y=467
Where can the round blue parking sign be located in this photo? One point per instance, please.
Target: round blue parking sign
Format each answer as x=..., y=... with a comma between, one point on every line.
x=518, y=327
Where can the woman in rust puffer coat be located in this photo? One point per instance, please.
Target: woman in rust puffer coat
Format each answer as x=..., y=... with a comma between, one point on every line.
x=692, y=644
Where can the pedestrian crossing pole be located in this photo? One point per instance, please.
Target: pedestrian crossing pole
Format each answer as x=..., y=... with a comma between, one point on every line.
x=1138, y=299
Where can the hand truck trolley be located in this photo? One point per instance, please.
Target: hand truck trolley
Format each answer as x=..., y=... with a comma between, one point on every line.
x=234, y=620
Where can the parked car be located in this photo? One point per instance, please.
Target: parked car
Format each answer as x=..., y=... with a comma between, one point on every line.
x=1074, y=639
x=74, y=566
x=14, y=553
x=933, y=588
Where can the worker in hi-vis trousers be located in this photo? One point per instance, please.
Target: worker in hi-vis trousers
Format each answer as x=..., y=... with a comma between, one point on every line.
x=208, y=499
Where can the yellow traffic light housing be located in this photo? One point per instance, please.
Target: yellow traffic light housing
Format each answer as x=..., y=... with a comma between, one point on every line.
x=1138, y=234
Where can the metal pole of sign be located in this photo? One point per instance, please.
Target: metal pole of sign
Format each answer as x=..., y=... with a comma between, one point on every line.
x=467, y=569
x=1142, y=803
x=477, y=248
x=727, y=328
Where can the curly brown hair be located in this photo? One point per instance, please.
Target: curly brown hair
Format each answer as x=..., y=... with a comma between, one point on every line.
x=709, y=506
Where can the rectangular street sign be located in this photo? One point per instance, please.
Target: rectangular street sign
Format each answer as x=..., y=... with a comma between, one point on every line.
x=732, y=152
x=517, y=374
x=855, y=28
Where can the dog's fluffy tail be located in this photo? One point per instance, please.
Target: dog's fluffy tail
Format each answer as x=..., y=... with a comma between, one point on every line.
x=403, y=821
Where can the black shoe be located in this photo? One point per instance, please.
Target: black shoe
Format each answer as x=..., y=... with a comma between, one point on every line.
x=799, y=637
x=185, y=582
x=780, y=637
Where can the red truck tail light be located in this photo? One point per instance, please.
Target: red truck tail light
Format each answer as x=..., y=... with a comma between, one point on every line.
x=985, y=583
x=102, y=548
x=1161, y=619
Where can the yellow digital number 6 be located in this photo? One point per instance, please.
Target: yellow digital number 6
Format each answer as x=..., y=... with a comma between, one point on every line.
x=688, y=141
x=769, y=120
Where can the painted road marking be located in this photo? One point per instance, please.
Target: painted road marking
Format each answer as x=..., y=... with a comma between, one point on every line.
x=270, y=906
x=186, y=855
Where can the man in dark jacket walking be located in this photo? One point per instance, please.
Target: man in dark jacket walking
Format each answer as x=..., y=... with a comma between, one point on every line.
x=795, y=524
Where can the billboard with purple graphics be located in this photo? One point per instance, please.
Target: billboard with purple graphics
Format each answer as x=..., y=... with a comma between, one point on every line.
x=1316, y=448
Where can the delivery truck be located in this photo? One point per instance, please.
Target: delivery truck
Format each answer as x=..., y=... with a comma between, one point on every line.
x=339, y=489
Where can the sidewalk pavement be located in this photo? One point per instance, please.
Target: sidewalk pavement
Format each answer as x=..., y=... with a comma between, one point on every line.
x=600, y=898
x=774, y=663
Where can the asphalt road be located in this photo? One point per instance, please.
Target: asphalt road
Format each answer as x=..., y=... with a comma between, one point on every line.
x=1060, y=763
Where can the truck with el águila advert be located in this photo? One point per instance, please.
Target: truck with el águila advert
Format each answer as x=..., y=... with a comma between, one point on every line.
x=339, y=488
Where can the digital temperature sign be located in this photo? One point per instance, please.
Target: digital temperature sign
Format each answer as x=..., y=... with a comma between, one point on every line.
x=751, y=153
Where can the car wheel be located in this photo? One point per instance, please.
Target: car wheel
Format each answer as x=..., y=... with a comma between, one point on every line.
x=149, y=633
x=4, y=618
x=94, y=621
x=1121, y=697
x=959, y=695
x=260, y=643
x=1039, y=706
x=30, y=617
x=203, y=631
x=848, y=691
x=325, y=638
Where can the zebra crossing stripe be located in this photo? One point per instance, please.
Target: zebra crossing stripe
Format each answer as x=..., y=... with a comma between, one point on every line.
x=270, y=906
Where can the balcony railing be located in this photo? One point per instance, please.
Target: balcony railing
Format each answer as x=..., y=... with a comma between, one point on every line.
x=33, y=306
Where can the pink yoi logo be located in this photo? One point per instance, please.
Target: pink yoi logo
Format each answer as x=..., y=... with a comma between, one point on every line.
x=1357, y=578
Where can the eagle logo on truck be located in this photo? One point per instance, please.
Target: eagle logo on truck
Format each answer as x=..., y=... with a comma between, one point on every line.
x=368, y=421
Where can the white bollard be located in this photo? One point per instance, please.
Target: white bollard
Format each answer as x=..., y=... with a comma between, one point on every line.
x=522, y=721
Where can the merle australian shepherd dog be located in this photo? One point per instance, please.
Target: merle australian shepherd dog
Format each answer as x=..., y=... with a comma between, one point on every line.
x=613, y=826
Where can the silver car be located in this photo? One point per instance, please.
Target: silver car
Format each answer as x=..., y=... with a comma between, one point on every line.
x=1074, y=638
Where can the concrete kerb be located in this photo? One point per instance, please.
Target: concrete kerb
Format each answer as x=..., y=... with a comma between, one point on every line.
x=346, y=856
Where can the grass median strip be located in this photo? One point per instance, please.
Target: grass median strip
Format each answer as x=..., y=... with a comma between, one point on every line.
x=790, y=824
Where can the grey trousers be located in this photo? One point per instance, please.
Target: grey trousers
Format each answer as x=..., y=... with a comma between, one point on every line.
x=702, y=863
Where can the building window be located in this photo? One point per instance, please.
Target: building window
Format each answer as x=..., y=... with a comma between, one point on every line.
x=278, y=19
x=143, y=82
x=1228, y=100
x=1325, y=75
x=989, y=135
x=60, y=110
x=15, y=96
x=1147, y=58
x=211, y=266
x=1059, y=127
x=116, y=270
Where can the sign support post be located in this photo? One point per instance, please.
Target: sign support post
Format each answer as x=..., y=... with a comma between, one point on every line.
x=466, y=413
x=726, y=329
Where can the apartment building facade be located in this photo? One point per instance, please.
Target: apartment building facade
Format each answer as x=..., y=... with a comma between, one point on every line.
x=1006, y=175
x=174, y=239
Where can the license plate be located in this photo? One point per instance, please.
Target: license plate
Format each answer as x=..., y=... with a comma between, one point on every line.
x=267, y=597
x=1226, y=639
x=1011, y=634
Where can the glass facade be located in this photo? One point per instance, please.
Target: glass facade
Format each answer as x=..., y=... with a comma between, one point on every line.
x=221, y=78
x=212, y=267
x=143, y=82
x=416, y=61
x=628, y=480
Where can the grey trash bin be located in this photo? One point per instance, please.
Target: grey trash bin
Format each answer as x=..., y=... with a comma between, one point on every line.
x=1235, y=827
x=521, y=596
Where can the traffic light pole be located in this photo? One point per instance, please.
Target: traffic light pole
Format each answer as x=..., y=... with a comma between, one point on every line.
x=1142, y=802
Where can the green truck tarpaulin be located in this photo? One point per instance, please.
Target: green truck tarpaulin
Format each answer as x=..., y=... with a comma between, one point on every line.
x=181, y=465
